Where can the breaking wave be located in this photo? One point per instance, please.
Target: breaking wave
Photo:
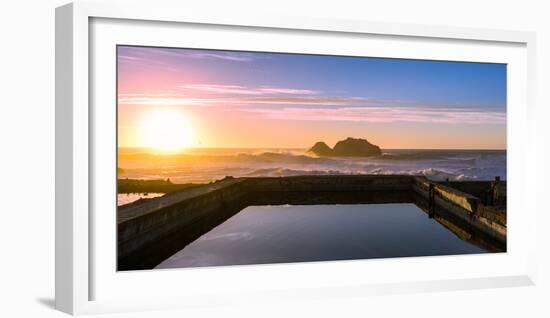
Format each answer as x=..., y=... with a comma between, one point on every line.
x=434, y=164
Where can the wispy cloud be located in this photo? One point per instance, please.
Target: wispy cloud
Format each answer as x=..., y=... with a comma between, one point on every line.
x=385, y=115
x=166, y=99
x=236, y=95
x=243, y=90
x=157, y=54
x=291, y=103
x=290, y=91
x=324, y=109
x=221, y=56
x=303, y=100
x=129, y=58
x=221, y=89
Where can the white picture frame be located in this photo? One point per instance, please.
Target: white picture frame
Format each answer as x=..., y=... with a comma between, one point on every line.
x=84, y=285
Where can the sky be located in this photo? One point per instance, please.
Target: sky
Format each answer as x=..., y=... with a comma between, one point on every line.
x=234, y=99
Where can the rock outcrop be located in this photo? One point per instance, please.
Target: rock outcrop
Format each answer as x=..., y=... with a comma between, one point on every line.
x=355, y=147
x=321, y=149
x=350, y=147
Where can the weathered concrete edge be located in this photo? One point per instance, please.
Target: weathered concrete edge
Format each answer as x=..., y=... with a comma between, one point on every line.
x=131, y=211
x=465, y=206
x=290, y=183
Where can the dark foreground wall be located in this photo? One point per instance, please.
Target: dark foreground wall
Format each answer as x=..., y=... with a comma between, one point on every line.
x=154, y=229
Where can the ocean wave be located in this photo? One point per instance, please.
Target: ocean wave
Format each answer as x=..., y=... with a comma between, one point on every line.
x=441, y=175
x=270, y=157
x=436, y=165
x=285, y=172
x=430, y=173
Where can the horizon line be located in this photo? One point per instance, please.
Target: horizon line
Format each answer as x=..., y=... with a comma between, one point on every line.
x=298, y=148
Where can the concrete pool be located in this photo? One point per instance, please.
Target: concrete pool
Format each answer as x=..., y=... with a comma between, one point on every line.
x=151, y=231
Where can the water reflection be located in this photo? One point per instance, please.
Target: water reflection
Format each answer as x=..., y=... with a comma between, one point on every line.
x=125, y=198
x=303, y=233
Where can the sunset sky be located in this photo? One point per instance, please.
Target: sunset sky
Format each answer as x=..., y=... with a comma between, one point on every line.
x=180, y=98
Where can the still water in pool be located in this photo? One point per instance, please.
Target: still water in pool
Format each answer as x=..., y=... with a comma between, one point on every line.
x=284, y=234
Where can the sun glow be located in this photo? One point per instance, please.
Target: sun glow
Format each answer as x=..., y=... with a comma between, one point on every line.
x=167, y=130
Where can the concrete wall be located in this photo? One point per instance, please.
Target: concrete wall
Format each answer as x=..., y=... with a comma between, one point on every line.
x=139, y=227
x=464, y=206
x=334, y=183
x=490, y=192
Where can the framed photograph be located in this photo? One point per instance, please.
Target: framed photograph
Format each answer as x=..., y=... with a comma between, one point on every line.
x=205, y=158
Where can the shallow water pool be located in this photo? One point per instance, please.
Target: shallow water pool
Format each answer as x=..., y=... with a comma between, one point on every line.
x=306, y=233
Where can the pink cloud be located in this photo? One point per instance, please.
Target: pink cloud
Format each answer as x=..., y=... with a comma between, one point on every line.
x=288, y=91
x=385, y=115
x=161, y=99
x=243, y=90
x=349, y=108
x=222, y=89
x=302, y=100
x=226, y=56
x=155, y=54
x=183, y=99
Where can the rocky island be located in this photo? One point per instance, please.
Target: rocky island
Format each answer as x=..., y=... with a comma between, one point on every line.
x=350, y=147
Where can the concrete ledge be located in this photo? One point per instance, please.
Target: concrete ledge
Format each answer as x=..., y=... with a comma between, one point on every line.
x=467, y=207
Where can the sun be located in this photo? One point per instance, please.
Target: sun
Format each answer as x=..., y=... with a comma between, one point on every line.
x=167, y=130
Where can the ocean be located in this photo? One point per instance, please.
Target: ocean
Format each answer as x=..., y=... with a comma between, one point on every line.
x=206, y=165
